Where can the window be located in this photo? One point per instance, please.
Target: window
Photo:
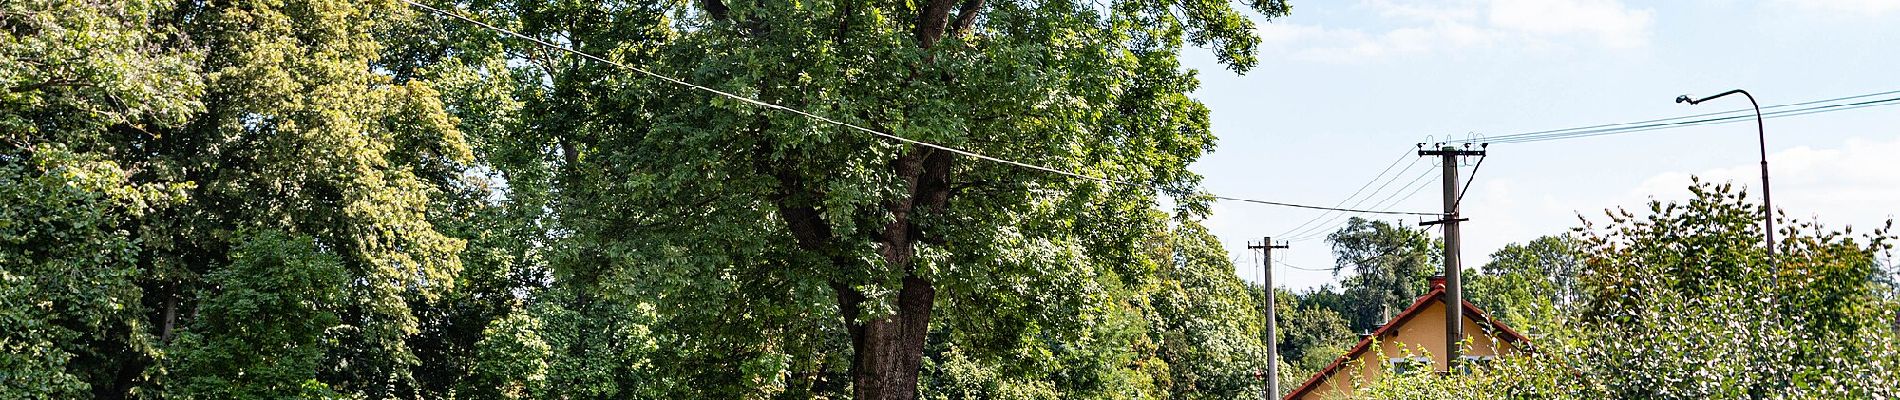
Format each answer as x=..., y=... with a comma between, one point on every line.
x=1406, y=365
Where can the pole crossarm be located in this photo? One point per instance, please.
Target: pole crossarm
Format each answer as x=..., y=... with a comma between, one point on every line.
x=1450, y=152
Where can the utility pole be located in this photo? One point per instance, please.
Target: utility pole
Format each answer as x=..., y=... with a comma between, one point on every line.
x=1454, y=286
x=1273, y=343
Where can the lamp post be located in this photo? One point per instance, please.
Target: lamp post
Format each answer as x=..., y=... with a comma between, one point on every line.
x=1767, y=202
x=1767, y=212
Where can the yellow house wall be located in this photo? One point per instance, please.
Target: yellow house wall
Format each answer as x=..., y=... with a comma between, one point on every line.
x=1424, y=331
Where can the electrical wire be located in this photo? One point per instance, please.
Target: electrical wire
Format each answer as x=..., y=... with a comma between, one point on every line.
x=1690, y=120
x=1357, y=204
x=1416, y=188
x=1284, y=264
x=1786, y=113
x=1417, y=184
x=848, y=125
x=1348, y=210
x=1362, y=188
x=1493, y=139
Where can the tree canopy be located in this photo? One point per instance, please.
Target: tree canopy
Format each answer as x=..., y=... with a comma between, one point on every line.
x=371, y=199
x=318, y=198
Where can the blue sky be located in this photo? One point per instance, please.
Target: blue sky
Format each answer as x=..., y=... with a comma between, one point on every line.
x=1345, y=87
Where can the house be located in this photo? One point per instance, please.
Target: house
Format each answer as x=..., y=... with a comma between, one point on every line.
x=1397, y=345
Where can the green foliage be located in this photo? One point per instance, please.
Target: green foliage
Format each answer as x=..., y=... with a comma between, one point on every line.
x=263, y=330
x=1690, y=282
x=1310, y=338
x=767, y=240
x=511, y=360
x=151, y=141
x=1528, y=285
x=1532, y=376
x=68, y=268
x=1207, y=327
x=1389, y=263
x=1682, y=303
x=73, y=69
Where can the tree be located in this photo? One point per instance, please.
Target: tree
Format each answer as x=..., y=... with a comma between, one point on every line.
x=316, y=198
x=752, y=220
x=1690, y=283
x=262, y=330
x=173, y=131
x=1528, y=284
x=1311, y=337
x=1390, y=263
x=1672, y=305
x=81, y=87
x=1208, y=328
x=69, y=282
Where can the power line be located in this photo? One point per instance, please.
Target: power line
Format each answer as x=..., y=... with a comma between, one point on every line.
x=1812, y=107
x=1685, y=116
x=828, y=120
x=1284, y=264
x=1692, y=116
x=1329, y=217
x=1350, y=210
x=1785, y=113
x=1417, y=184
x=1362, y=188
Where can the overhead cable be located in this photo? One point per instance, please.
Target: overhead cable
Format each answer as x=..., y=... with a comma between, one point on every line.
x=1778, y=111
x=1284, y=264
x=1417, y=184
x=1362, y=188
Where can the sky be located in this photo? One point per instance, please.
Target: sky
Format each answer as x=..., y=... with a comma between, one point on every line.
x=1344, y=88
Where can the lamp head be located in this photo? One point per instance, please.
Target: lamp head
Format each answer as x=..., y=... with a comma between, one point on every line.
x=1684, y=99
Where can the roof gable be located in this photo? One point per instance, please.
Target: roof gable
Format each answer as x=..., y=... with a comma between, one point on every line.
x=1436, y=295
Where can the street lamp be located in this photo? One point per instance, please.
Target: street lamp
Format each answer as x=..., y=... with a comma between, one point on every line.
x=1767, y=202
x=1768, y=208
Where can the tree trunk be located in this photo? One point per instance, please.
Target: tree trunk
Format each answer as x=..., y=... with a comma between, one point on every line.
x=887, y=349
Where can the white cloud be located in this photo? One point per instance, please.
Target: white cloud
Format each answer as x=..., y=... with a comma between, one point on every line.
x=1849, y=7
x=1423, y=28
x=1855, y=184
x=1613, y=24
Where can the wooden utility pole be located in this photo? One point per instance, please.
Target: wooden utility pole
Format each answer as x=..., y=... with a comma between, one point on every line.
x=1454, y=286
x=1273, y=343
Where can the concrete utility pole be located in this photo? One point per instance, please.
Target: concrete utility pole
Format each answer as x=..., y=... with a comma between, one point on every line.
x=1273, y=343
x=1454, y=286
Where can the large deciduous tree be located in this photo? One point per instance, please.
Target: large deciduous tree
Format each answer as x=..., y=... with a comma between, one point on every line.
x=1389, y=262
x=159, y=156
x=739, y=219
x=1529, y=284
x=316, y=198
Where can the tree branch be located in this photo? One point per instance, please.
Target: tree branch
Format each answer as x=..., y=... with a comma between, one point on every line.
x=966, y=16
x=931, y=23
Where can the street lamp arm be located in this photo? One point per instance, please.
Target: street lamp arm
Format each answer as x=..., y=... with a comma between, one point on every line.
x=1761, y=137
x=1685, y=98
